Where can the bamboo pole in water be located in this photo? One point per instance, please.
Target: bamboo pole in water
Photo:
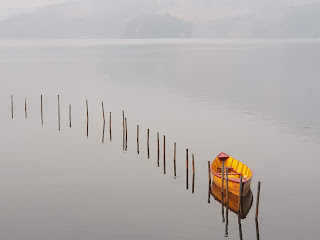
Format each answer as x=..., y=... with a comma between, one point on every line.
x=227, y=204
x=240, y=208
x=87, y=118
x=222, y=189
x=104, y=122
x=11, y=106
x=123, y=130
x=25, y=108
x=240, y=196
x=126, y=133
x=148, y=143
x=58, y=112
x=137, y=139
x=104, y=119
x=209, y=190
x=70, y=114
x=193, y=173
x=158, y=148
x=187, y=169
x=258, y=200
x=174, y=161
x=164, y=154
x=110, y=131
x=41, y=112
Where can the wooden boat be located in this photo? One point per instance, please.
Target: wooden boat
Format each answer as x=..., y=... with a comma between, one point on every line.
x=235, y=169
x=247, y=200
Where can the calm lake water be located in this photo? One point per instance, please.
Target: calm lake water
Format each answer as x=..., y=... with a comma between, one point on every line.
x=256, y=100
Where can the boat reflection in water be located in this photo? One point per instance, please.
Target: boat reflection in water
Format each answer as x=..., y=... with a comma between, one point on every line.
x=247, y=200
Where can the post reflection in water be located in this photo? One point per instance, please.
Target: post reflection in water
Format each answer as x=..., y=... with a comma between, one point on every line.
x=257, y=229
x=247, y=200
x=25, y=108
x=240, y=227
x=103, y=130
x=233, y=204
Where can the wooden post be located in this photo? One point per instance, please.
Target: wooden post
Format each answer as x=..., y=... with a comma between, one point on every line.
x=70, y=114
x=148, y=144
x=123, y=130
x=164, y=154
x=110, y=132
x=103, y=112
x=209, y=172
x=104, y=122
x=209, y=190
x=227, y=203
x=11, y=106
x=193, y=173
x=258, y=200
x=58, y=112
x=158, y=149
x=25, y=108
x=126, y=126
x=187, y=169
x=174, y=161
x=138, y=139
x=240, y=197
x=87, y=118
x=240, y=208
x=41, y=112
x=222, y=189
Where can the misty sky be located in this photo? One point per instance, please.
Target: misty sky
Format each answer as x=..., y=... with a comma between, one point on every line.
x=209, y=18
x=200, y=10
x=10, y=8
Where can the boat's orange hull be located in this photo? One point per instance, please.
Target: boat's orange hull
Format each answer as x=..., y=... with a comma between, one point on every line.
x=236, y=170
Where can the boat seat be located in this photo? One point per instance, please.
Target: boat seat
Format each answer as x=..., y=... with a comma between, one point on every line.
x=238, y=180
x=229, y=168
x=231, y=173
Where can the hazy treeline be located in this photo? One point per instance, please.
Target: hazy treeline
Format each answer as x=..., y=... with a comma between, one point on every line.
x=166, y=19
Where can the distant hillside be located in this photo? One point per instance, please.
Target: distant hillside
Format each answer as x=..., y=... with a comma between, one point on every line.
x=122, y=18
x=158, y=26
x=167, y=19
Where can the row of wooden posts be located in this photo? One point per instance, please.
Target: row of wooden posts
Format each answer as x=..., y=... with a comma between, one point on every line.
x=41, y=108
x=125, y=148
x=125, y=138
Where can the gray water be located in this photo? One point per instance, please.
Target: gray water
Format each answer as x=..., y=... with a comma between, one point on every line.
x=253, y=99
